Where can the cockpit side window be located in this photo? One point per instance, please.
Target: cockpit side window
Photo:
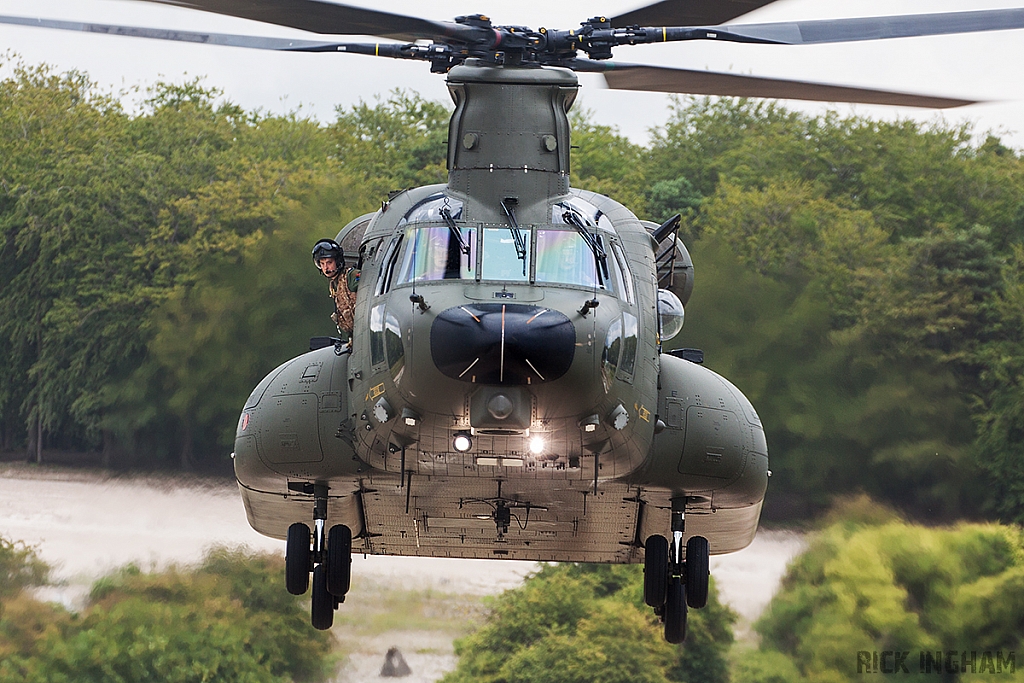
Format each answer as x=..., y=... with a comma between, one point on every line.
x=630, y=330
x=622, y=269
x=387, y=269
x=618, y=360
x=434, y=253
x=610, y=355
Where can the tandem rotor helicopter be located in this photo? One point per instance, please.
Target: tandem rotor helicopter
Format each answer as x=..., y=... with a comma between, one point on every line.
x=506, y=393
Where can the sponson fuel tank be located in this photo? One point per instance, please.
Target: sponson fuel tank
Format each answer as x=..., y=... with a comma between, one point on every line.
x=712, y=447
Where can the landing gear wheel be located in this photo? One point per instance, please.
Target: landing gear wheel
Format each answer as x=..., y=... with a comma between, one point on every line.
x=296, y=559
x=675, y=611
x=322, y=605
x=339, y=560
x=655, y=570
x=697, y=572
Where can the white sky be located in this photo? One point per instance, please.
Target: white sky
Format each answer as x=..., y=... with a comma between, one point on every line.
x=983, y=66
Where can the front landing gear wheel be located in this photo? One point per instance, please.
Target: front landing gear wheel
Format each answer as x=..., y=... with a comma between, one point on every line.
x=339, y=560
x=297, y=559
x=697, y=572
x=675, y=611
x=655, y=570
x=322, y=606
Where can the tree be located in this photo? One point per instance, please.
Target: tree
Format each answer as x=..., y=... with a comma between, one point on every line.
x=1000, y=413
x=604, y=161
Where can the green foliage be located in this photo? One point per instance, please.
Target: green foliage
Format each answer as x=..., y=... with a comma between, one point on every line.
x=1000, y=413
x=666, y=198
x=399, y=143
x=604, y=161
x=585, y=623
x=245, y=314
x=20, y=567
x=891, y=586
x=765, y=666
x=227, y=620
x=117, y=229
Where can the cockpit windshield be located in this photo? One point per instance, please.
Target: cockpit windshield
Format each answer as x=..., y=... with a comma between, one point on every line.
x=501, y=257
x=563, y=257
x=560, y=254
x=434, y=253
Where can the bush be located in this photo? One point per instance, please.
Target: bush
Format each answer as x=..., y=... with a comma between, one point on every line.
x=880, y=586
x=576, y=623
x=20, y=567
x=227, y=620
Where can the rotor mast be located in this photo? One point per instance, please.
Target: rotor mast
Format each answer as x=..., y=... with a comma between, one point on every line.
x=508, y=138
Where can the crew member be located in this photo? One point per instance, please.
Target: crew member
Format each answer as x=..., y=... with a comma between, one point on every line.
x=344, y=281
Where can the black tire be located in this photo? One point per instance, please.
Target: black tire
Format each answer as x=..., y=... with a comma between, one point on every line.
x=322, y=604
x=339, y=560
x=655, y=570
x=697, y=572
x=675, y=612
x=296, y=559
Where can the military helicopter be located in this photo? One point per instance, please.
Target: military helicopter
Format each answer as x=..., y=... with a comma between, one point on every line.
x=507, y=393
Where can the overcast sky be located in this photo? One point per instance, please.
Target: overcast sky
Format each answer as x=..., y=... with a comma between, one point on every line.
x=984, y=66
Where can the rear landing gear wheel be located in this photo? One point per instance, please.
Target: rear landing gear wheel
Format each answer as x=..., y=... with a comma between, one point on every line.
x=297, y=559
x=697, y=572
x=322, y=606
x=339, y=560
x=655, y=570
x=675, y=611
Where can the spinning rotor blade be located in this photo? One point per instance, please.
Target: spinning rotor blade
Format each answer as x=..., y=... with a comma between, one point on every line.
x=688, y=13
x=226, y=39
x=621, y=76
x=329, y=18
x=879, y=28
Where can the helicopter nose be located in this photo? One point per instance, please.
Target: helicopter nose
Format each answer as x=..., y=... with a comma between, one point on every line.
x=502, y=343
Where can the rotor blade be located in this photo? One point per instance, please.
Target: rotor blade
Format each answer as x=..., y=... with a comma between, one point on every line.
x=225, y=39
x=621, y=76
x=688, y=13
x=330, y=18
x=878, y=28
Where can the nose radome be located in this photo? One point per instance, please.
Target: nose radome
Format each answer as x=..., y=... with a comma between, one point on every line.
x=508, y=344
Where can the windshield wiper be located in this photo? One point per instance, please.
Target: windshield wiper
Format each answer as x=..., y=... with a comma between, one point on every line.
x=454, y=229
x=593, y=241
x=508, y=205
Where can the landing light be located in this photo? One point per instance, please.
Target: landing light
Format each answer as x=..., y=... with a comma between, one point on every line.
x=410, y=417
x=537, y=445
x=462, y=442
